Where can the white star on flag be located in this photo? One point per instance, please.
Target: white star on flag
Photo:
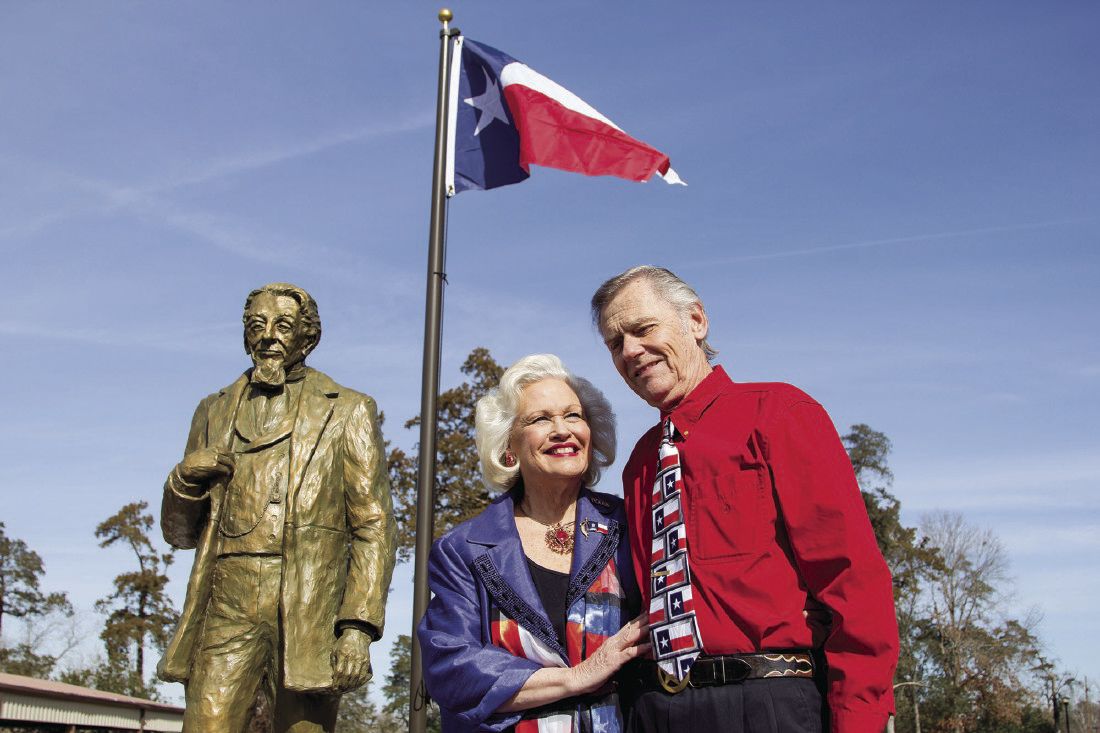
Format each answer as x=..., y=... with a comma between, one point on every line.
x=488, y=104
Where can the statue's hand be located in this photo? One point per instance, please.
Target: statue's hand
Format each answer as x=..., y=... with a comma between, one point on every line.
x=202, y=466
x=351, y=660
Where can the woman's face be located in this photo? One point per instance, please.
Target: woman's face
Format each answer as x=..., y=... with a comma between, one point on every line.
x=550, y=439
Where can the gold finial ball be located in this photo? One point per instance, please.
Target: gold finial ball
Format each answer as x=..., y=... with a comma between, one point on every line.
x=446, y=16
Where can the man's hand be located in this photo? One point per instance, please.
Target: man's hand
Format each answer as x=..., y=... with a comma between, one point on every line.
x=351, y=660
x=202, y=466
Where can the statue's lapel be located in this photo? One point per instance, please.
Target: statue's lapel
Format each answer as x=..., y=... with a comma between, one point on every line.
x=314, y=411
x=220, y=425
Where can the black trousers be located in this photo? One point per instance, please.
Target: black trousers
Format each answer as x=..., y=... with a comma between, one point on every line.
x=752, y=706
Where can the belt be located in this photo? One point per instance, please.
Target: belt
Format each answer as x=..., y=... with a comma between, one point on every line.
x=727, y=669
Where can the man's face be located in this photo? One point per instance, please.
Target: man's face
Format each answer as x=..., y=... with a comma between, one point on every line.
x=655, y=350
x=274, y=335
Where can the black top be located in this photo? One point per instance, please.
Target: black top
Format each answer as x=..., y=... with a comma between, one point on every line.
x=552, y=588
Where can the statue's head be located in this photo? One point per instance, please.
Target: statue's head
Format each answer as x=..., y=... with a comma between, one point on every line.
x=281, y=328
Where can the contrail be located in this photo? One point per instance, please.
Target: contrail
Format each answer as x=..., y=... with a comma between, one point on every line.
x=115, y=197
x=263, y=158
x=885, y=242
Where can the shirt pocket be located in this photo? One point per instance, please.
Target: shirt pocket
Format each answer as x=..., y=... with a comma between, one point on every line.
x=726, y=514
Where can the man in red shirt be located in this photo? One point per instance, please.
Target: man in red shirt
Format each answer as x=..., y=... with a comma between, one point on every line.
x=766, y=586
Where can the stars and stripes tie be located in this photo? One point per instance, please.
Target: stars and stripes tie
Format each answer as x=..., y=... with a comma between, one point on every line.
x=672, y=625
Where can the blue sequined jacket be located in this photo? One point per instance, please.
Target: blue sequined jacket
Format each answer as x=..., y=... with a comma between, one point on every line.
x=481, y=563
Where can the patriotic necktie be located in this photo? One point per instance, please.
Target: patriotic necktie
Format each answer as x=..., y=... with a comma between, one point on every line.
x=672, y=625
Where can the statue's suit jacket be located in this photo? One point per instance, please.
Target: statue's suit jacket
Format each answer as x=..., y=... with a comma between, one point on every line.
x=338, y=540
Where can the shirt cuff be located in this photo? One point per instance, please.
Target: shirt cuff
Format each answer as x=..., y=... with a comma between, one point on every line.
x=369, y=629
x=184, y=489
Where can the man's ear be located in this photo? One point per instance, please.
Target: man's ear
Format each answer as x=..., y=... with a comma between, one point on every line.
x=698, y=324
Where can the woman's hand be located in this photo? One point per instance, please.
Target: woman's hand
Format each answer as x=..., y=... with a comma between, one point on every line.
x=551, y=684
x=630, y=642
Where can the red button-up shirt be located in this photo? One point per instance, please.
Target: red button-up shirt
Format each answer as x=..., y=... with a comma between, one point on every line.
x=776, y=527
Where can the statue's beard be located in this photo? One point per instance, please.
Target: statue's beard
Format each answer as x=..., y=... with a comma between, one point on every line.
x=269, y=372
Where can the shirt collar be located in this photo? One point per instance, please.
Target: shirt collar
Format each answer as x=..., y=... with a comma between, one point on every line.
x=692, y=407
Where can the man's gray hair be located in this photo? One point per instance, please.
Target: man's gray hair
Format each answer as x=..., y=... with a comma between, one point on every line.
x=307, y=311
x=495, y=418
x=665, y=283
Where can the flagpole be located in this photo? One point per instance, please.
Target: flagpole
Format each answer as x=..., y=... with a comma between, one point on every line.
x=429, y=385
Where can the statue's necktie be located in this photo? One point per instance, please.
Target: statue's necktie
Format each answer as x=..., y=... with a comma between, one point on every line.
x=672, y=625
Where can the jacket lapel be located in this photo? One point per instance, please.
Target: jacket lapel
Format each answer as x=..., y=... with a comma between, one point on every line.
x=504, y=572
x=595, y=540
x=314, y=410
x=219, y=426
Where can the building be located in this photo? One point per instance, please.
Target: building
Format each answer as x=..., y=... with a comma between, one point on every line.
x=26, y=701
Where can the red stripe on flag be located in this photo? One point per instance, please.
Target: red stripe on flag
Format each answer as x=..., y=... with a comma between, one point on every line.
x=679, y=643
x=557, y=137
x=656, y=610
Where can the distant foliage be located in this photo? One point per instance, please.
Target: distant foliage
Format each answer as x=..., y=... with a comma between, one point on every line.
x=139, y=611
x=25, y=660
x=964, y=666
x=21, y=571
x=22, y=597
x=459, y=493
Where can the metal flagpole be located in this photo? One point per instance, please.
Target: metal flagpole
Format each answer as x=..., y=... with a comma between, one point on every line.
x=429, y=385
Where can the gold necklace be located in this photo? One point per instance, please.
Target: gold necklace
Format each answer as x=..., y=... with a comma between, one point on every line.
x=558, y=537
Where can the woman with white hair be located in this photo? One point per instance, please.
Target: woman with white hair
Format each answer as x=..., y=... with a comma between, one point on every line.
x=531, y=598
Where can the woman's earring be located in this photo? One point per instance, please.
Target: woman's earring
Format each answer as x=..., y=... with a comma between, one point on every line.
x=509, y=459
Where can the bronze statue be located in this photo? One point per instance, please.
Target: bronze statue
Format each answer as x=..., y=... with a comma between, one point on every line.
x=283, y=492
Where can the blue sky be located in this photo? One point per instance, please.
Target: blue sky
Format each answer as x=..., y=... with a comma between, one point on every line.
x=891, y=205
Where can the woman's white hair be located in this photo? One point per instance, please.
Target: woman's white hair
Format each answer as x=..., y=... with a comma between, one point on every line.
x=496, y=414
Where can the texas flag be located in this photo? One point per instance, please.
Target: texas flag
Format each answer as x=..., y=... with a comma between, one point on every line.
x=504, y=116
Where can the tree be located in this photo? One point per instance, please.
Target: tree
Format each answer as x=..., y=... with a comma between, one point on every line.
x=396, y=689
x=459, y=492
x=24, y=660
x=960, y=658
x=139, y=611
x=21, y=571
x=981, y=659
x=869, y=450
x=359, y=714
x=21, y=596
x=911, y=559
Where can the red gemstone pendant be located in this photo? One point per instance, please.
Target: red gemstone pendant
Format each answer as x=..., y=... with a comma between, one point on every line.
x=559, y=539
